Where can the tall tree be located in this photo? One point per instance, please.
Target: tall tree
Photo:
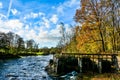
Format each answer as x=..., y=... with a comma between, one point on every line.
x=30, y=44
x=94, y=16
x=21, y=45
x=10, y=36
x=3, y=42
x=67, y=39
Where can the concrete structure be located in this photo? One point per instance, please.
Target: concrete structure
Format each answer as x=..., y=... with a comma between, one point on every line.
x=94, y=57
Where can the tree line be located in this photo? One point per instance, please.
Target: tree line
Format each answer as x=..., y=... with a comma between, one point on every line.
x=11, y=43
x=97, y=29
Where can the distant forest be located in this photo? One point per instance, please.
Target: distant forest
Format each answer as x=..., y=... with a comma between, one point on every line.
x=13, y=43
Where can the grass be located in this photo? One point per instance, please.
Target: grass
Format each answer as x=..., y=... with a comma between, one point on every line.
x=40, y=53
x=107, y=76
x=104, y=76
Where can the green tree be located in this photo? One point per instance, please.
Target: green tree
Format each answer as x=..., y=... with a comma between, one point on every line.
x=4, y=42
x=10, y=37
x=30, y=44
x=21, y=46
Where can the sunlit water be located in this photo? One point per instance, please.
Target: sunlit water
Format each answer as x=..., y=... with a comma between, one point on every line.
x=26, y=68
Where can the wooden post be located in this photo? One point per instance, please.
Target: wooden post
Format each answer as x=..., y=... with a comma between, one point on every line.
x=115, y=62
x=56, y=65
x=80, y=64
x=93, y=65
x=99, y=64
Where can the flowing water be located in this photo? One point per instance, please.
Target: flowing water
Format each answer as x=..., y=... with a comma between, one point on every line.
x=26, y=68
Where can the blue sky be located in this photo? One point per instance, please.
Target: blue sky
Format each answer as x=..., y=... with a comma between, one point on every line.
x=37, y=19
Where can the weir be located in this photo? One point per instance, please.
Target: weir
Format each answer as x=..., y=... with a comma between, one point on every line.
x=97, y=58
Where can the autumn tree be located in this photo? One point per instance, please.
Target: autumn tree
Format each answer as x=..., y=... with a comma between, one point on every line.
x=113, y=21
x=71, y=40
x=94, y=34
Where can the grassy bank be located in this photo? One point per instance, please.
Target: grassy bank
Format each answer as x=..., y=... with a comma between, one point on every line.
x=4, y=55
x=105, y=76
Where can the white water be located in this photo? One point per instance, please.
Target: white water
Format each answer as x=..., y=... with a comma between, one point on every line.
x=26, y=68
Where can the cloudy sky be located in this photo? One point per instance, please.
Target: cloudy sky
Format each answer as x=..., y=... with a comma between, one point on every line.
x=37, y=19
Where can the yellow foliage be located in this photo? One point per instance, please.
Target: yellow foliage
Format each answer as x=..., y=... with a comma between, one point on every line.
x=100, y=28
x=87, y=37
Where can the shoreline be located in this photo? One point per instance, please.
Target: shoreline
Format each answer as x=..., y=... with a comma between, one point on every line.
x=13, y=56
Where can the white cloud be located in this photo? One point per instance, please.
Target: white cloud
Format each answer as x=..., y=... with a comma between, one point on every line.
x=26, y=27
x=43, y=37
x=1, y=5
x=14, y=11
x=14, y=24
x=48, y=38
x=72, y=3
x=31, y=34
x=33, y=15
x=56, y=31
x=42, y=34
x=54, y=18
x=67, y=4
x=60, y=9
x=11, y=25
x=41, y=14
x=38, y=29
x=46, y=22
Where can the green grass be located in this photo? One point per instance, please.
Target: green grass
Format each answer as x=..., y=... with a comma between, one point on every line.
x=39, y=53
x=1, y=50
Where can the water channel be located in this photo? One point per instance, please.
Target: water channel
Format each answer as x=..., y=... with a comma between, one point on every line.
x=25, y=68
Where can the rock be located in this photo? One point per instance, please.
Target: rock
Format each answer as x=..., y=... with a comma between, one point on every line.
x=44, y=77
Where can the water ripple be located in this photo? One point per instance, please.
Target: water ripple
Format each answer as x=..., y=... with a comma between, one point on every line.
x=26, y=68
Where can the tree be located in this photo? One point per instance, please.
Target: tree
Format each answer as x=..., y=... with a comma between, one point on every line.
x=71, y=40
x=114, y=22
x=67, y=40
x=10, y=37
x=62, y=39
x=98, y=28
x=30, y=44
x=3, y=42
x=12, y=43
x=20, y=43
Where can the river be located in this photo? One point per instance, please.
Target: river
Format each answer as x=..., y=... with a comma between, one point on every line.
x=25, y=68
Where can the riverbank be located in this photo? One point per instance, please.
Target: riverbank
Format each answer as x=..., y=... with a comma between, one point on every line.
x=104, y=76
x=18, y=55
x=8, y=56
